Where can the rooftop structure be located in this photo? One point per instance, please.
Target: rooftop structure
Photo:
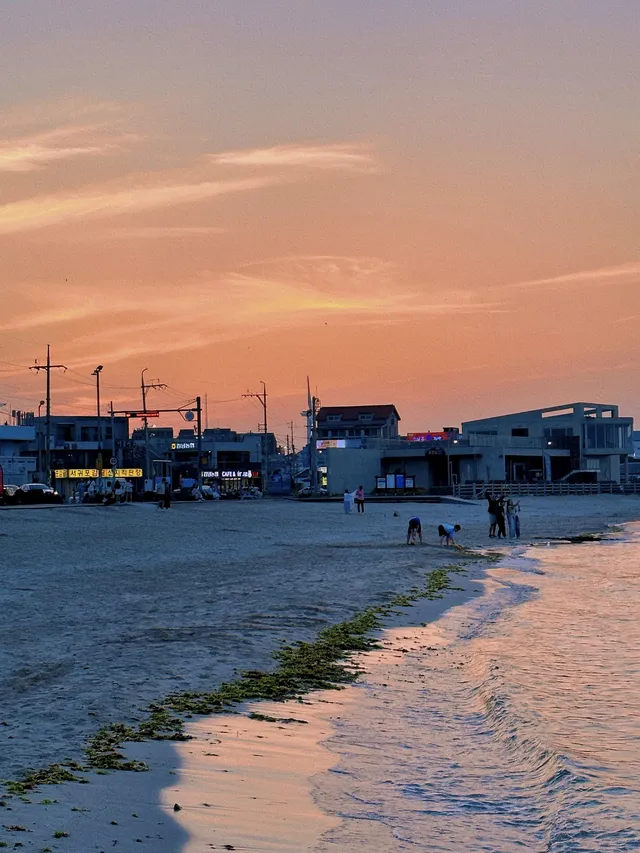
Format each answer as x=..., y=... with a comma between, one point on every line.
x=380, y=421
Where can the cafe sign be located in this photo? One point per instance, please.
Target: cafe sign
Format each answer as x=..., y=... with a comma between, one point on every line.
x=230, y=475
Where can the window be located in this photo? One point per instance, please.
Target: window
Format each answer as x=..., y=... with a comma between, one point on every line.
x=365, y=417
x=64, y=432
x=334, y=418
x=89, y=433
x=520, y=432
x=599, y=436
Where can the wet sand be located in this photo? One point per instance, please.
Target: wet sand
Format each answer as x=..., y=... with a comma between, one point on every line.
x=109, y=610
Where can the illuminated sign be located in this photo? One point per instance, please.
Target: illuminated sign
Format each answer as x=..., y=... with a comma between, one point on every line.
x=183, y=445
x=155, y=414
x=330, y=443
x=428, y=436
x=93, y=473
x=230, y=475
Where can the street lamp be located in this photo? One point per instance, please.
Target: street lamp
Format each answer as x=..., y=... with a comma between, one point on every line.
x=40, y=405
x=97, y=373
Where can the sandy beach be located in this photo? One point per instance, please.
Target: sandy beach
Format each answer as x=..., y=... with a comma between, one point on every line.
x=108, y=610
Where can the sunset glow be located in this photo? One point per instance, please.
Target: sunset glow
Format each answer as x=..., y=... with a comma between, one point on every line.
x=428, y=204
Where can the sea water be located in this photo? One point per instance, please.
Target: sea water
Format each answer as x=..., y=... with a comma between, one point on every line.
x=511, y=724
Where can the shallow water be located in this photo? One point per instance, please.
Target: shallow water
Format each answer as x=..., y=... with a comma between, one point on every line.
x=511, y=724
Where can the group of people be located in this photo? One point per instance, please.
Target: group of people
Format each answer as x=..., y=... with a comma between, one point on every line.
x=446, y=532
x=104, y=491
x=503, y=512
x=356, y=497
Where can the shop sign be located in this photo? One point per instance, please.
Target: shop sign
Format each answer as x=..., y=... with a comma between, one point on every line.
x=428, y=436
x=183, y=445
x=93, y=473
x=231, y=475
x=339, y=443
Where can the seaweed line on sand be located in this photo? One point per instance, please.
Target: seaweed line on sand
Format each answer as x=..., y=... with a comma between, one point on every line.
x=302, y=667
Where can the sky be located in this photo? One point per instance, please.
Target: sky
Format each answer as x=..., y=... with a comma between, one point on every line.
x=431, y=204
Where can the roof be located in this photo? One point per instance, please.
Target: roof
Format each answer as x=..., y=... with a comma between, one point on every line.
x=351, y=413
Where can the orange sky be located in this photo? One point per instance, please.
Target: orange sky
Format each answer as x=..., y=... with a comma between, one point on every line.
x=412, y=206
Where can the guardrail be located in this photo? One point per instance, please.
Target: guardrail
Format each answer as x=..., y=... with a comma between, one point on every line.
x=473, y=491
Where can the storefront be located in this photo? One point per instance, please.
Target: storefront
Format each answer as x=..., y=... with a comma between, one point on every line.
x=66, y=479
x=232, y=482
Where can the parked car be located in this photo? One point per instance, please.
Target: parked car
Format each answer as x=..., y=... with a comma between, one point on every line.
x=37, y=493
x=306, y=492
x=8, y=494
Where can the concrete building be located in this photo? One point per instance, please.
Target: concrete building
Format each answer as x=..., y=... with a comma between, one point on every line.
x=553, y=443
x=18, y=467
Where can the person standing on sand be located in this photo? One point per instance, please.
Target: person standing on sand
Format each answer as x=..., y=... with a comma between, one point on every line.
x=414, y=530
x=164, y=493
x=360, y=499
x=347, y=501
x=513, y=518
x=500, y=519
x=492, y=509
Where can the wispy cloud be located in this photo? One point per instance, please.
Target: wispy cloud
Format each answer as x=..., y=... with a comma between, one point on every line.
x=43, y=211
x=29, y=153
x=277, y=294
x=601, y=275
x=154, y=232
x=349, y=157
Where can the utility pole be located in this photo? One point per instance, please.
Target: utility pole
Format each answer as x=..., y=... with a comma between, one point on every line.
x=144, y=388
x=262, y=399
x=48, y=367
x=99, y=459
x=113, y=439
x=293, y=461
x=199, y=425
x=313, y=446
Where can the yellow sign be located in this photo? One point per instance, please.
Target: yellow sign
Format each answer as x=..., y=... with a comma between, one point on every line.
x=92, y=473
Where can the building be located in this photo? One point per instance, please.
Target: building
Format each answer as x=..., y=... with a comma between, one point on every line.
x=567, y=441
x=354, y=422
x=575, y=442
x=230, y=460
x=18, y=467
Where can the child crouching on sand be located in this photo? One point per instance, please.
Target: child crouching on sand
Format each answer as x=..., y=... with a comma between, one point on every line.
x=414, y=531
x=447, y=532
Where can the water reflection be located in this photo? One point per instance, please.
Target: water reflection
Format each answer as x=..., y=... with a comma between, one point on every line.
x=512, y=724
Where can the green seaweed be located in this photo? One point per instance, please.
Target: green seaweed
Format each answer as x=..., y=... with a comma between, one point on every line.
x=301, y=667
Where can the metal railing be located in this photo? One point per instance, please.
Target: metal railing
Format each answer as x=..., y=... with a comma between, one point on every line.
x=474, y=491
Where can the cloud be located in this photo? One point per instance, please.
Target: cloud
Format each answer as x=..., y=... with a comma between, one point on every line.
x=29, y=153
x=42, y=211
x=273, y=295
x=152, y=232
x=602, y=275
x=349, y=157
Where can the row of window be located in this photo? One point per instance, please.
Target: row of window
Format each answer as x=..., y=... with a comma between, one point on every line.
x=337, y=418
x=87, y=433
x=346, y=433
